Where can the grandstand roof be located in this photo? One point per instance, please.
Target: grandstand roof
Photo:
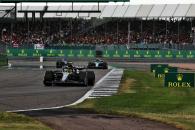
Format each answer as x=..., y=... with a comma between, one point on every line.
x=119, y=11
x=16, y=1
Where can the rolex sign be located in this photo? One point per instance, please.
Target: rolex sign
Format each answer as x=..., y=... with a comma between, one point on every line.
x=179, y=80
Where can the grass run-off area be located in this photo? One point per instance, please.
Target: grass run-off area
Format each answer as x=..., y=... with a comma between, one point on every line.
x=142, y=95
x=11, y=121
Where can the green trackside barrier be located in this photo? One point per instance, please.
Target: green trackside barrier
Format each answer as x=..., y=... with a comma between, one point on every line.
x=161, y=71
x=79, y=53
x=114, y=54
x=3, y=60
x=179, y=80
x=106, y=53
x=148, y=54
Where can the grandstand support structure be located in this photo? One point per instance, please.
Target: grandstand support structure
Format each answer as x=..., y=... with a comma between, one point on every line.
x=6, y=11
x=193, y=35
x=129, y=33
x=72, y=10
x=96, y=23
x=65, y=1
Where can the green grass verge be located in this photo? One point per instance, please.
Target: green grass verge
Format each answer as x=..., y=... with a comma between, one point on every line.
x=12, y=121
x=144, y=96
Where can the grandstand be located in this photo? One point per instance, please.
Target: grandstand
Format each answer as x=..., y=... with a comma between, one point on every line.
x=101, y=25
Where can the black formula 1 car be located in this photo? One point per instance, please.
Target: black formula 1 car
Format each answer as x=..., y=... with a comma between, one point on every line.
x=62, y=63
x=69, y=76
x=97, y=64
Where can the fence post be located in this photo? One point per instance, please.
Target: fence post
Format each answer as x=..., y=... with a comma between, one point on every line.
x=41, y=62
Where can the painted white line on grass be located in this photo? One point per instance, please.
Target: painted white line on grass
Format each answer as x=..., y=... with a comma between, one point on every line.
x=75, y=103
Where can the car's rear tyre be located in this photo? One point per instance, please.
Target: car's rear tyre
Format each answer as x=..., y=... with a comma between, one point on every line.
x=83, y=78
x=91, y=78
x=48, y=78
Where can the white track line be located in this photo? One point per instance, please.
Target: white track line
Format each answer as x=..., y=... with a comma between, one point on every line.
x=75, y=103
x=105, y=88
x=90, y=91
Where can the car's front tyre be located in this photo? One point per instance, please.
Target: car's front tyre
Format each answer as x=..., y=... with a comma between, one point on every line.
x=48, y=78
x=91, y=78
x=83, y=78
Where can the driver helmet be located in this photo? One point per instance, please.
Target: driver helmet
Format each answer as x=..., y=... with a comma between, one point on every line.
x=97, y=60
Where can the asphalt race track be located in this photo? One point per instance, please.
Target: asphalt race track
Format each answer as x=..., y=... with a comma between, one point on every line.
x=22, y=88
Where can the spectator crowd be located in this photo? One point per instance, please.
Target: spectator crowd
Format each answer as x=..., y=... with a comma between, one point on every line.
x=113, y=31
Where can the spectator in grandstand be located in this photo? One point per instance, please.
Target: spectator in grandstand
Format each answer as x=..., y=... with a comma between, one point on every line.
x=83, y=32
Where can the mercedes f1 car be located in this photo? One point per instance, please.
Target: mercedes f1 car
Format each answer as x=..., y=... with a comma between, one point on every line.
x=97, y=64
x=69, y=76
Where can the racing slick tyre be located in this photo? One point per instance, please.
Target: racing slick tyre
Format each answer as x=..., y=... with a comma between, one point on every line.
x=83, y=78
x=48, y=78
x=91, y=78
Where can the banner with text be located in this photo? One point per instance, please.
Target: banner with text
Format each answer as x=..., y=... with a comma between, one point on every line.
x=179, y=80
x=147, y=54
x=79, y=53
x=161, y=71
x=154, y=66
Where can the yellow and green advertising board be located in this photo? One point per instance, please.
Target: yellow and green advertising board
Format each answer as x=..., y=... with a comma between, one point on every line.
x=3, y=60
x=106, y=53
x=154, y=66
x=179, y=80
x=71, y=53
x=157, y=54
x=160, y=71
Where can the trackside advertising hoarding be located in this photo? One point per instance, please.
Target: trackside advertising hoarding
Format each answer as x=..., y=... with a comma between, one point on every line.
x=160, y=71
x=118, y=53
x=157, y=54
x=153, y=66
x=79, y=53
x=3, y=60
x=179, y=80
